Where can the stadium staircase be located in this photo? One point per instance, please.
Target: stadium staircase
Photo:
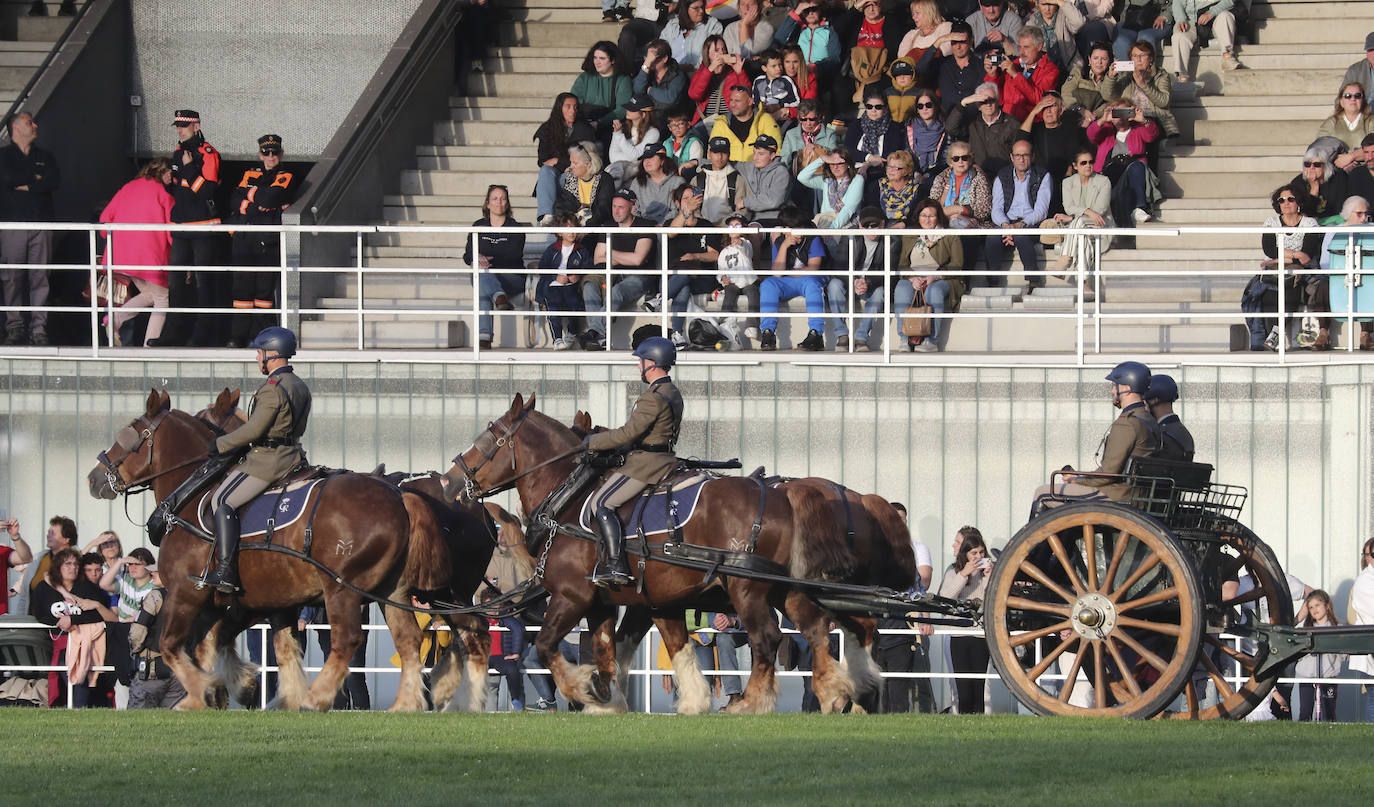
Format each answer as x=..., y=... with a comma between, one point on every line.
x=1243, y=135
x=23, y=50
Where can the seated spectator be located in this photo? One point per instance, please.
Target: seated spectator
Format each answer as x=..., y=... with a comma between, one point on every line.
x=996, y=24
x=957, y=75
x=1055, y=140
x=1121, y=138
x=874, y=136
x=719, y=182
x=633, y=262
x=808, y=28
x=809, y=133
x=630, y=137
x=964, y=192
x=1087, y=197
x=1020, y=199
x=1140, y=21
x=1059, y=23
x=682, y=144
x=1361, y=177
x=1318, y=701
x=661, y=77
x=687, y=32
x=1147, y=87
x=1089, y=86
x=643, y=27
x=926, y=139
x=767, y=180
x=1342, y=246
x=584, y=189
x=928, y=257
x=840, y=188
x=563, y=128
x=691, y=259
x=143, y=200
x=989, y=132
x=862, y=255
x=791, y=252
x=76, y=610
x=614, y=10
x=896, y=194
x=968, y=579
x=929, y=31
x=559, y=292
x=601, y=89
x=744, y=123
x=1326, y=187
x=775, y=92
x=1351, y=123
x=1029, y=76
x=750, y=35
x=718, y=74
x=898, y=89
x=654, y=183
x=1362, y=73
x=1195, y=23
x=735, y=266
x=1261, y=294
x=130, y=580
x=795, y=68
x=870, y=41
x=501, y=259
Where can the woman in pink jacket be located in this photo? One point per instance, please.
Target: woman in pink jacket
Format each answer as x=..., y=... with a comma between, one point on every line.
x=143, y=200
x=1122, y=134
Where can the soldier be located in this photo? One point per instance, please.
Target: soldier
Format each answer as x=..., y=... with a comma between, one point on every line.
x=648, y=436
x=1134, y=433
x=1178, y=441
x=153, y=686
x=260, y=197
x=195, y=179
x=276, y=422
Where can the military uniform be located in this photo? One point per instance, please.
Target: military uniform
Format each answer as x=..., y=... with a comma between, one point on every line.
x=1134, y=433
x=153, y=686
x=1178, y=441
x=650, y=435
x=276, y=421
x=260, y=197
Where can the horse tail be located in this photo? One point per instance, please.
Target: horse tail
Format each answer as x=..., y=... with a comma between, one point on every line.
x=901, y=573
x=512, y=539
x=428, y=562
x=819, y=550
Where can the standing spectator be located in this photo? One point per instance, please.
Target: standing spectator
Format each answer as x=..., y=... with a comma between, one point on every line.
x=108, y=545
x=1317, y=612
x=744, y=123
x=61, y=535
x=1029, y=76
x=632, y=260
x=195, y=181
x=601, y=89
x=1020, y=198
x=766, y=179
x=718, y=74
x=874, y=135
x=1147, y=86
x=751, y=34
x=1089, y=87
x=143, y=200
x=353, y=694
x=261, y=196
x=928, y=257
x=1140, y=21
x=152, y=686
x=1121, y=135
x=1362, y=613
x=661, y=77
x=968, y=579
x=1059, y=22
x=864, y=256
x=793, y=251
x=500, y=259
x=507, y=646
x=1197, y=21
x=1087, y=197
x=1362, y=72
x=989, y=132
x=16, y=554
x=683, y=146
x=630, y=137
x=896, y=194
x=839, y=186
x=807, y=28
x=775, y=92
x=130, y=579
x=995, y=23
x=554, y=136
x=28, y=178
x=925, y=696
x=957, y=75
x=559, y=292
x=686, y=32
x=75, y=609
x=585, y=190
x=654, y=182
x=1351, y=122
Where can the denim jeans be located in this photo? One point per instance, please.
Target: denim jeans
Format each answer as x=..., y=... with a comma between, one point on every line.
x=1125, y=38
x=936, y=295
x=836, y=291
x=774, y=291
x=545, y=190
x=678, y=295
x=624, y=293
x=488, y=286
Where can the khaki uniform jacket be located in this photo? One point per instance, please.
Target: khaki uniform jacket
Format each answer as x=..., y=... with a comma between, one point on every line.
x=654, y=421
x=1178, y=441
x=1134, y=434
x=280, y=410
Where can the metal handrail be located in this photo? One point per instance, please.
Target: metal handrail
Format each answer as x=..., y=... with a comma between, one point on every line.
x=43, y=68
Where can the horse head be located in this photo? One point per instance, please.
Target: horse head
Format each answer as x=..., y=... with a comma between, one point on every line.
x=224, y=413
x=159, y=441
x=482, y=468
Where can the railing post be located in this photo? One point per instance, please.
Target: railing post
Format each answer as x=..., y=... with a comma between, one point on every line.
x=281, y=299
x=95, y=305
x=358, y=269
x=664, y=303
x=1080, y=276
x=476, y=299
x=1283, y=320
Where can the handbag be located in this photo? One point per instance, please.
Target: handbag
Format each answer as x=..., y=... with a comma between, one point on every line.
x=916, y=318
x=110, y=289
x=1139, y=17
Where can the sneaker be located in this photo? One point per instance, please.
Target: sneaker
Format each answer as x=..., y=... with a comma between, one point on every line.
x=561, y=344
x=1062, y=263
x=842, y=343
x=623, y=13
x=652, y=304
x=484, y=342
x=861, y=344
x=1230, y=62
x=591, y=340
x=1140, y=215
x=15, y=338
x=813, y=341
x=926, y=346
x=679, y=341
x=768, y=341
x=1182, y=78
x=542, y=705
x=477, y=66
x=609, y=16
x=41, y=340
x=502, y=303
x=752, y=332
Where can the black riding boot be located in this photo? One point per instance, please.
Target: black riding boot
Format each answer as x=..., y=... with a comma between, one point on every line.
x=225, y=575
x=616, y=573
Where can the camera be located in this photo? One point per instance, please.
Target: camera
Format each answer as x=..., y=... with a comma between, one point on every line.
x=995, y=57
x=1123, y=113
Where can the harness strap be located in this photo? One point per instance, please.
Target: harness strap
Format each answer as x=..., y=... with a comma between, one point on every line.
x=758, y=520
x=848, y=517
x=314, y=508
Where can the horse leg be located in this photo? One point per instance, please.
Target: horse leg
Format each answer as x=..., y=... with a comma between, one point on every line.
x=291, y=680
x=345, y=634
x=178, y=617
x=629, y=637
x=405, y=634
x=858, y=659
x=475, y=635
x=559, y=618
x=234, y=678
x=447, y=673
x=751, y=605
x=693, y=693
x=830, y=681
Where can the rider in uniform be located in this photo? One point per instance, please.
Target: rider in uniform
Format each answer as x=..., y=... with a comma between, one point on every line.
x=648, y=438
x=276, y=421
x=1178, y=441
x=1134, y=433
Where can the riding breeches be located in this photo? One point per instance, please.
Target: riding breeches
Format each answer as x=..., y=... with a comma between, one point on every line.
x=615, y=491
x=237, y=489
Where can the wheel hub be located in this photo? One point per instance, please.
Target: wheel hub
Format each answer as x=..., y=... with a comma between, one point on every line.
x=1093, y=616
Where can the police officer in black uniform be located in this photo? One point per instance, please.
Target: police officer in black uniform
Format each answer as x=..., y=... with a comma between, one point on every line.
x=261, y=196
x=1178, y=441
x=195, y=180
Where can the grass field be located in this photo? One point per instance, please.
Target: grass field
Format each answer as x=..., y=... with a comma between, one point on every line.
x=241, y=758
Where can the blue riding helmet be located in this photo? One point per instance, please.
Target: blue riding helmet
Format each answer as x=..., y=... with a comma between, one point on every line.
x=1162, y=388
x=1132, y=374
x=658, y=350
x=276, y=339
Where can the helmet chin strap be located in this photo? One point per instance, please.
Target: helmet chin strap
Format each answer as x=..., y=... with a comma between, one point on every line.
x=1116, y=395
x=262, y=365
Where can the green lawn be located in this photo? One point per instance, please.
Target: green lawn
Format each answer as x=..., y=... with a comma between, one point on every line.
x=240, y=758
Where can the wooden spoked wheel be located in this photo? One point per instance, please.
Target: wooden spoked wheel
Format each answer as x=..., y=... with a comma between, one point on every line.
x=1102, y=589
x=1266, y=596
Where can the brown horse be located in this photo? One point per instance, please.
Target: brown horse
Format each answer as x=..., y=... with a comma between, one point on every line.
x=534, y=453
x=361, y=533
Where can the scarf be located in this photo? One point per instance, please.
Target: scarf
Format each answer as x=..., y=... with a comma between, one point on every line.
x=959, y=190
x=896, y=203
x=925, y=141
x=834, y=194
x=873, y=131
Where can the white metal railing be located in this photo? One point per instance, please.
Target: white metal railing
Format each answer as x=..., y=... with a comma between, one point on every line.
x=1088, y=316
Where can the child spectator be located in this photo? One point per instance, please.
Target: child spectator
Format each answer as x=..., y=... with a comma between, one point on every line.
x=130, y=579
x=559, y=292
x=506, y=649
x=778, y=93
x=1316, y=610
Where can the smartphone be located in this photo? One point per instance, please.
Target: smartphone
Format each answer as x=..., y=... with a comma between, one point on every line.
x=1124, y=65
x=1123, y=113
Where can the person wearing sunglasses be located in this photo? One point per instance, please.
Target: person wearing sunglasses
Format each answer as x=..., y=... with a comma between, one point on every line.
x=1087, y=199
x=1326, y=187
x=808, y=138
x=957, y=74
x=874, y=136
x=260, y=197
x=1350, y=122
x=1362, y=613
x=1339, y=251
x=926, y=138
x=1299, y=255
x=195, y=183
x=1362, y=72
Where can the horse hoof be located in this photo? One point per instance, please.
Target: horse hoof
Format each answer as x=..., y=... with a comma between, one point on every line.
x=601, y=687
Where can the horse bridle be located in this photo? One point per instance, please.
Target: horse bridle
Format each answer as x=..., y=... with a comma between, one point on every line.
x=131, y=438
x=472, y=491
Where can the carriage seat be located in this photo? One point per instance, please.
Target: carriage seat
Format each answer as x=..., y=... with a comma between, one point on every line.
x=1158, y=484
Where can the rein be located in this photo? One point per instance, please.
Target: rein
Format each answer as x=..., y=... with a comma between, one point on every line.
x=472, y=491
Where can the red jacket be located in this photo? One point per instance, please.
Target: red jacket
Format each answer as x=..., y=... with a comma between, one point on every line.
x=140, y=201
x=700, y=88
x=1020, y=95
x=1104, y=137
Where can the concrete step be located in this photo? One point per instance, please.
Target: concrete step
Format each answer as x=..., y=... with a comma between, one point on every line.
x=1316, y=29
x=555, y=34
x=1135, y=291
x=539, y=85
x=526, y=117
x=1310, y=108
x=29, y=58
x=1285, y=133
x=482, y=133
x=1184, y=150
x=1219, y=213
x=475, y=181
x=15, y=78
x=1286, y=56
x=1319, y=81
x=1238, y=164
x=1285, y=10
x=555, y=14
x=1031, y=334
x=516, y=164
x=537, y=60
x=1201, y=245
x=408, y=286
x=494, y=101
x=382, y=335
x=1252, y=184
x=41, y=29
x=522, y=207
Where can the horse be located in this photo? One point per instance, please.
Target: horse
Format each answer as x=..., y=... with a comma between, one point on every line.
x=546, y=450
x=361, y=533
